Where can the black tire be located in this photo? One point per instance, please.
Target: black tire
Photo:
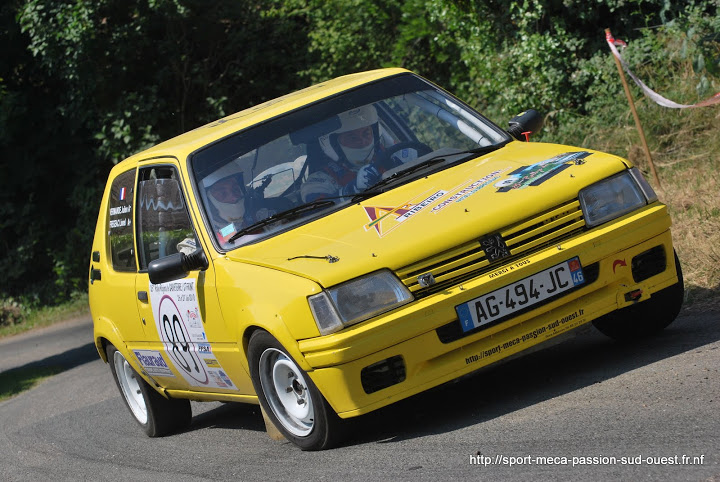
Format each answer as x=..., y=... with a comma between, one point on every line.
x=156, y=414
x=645, y=318
x=289, y=397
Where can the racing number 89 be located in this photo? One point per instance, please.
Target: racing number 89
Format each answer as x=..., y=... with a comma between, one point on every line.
x=173, y=332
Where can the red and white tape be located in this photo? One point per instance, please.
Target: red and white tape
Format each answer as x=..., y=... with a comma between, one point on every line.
x=657, y=98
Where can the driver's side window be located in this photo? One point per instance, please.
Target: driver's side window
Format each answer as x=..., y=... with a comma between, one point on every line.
x=163, y=224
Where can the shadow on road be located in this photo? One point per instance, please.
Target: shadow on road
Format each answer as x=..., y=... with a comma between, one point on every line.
x=18, y=379
x=231, y=416
x=588, y=359
x=66, y=360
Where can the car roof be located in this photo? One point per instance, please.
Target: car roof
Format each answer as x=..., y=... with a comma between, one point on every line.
x=190, y=141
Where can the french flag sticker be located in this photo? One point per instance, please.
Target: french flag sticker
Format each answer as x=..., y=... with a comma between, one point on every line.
x=122, y=194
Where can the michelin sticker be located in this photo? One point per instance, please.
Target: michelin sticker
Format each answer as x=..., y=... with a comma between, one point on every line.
x=180, y=326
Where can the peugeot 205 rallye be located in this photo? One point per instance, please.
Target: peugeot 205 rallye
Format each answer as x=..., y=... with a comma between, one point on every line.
x=346, y=246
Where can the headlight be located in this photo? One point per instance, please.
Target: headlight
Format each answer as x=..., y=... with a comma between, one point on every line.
x=615, y=196
x=357, y=300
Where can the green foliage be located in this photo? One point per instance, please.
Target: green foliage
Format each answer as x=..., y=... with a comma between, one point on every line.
x=75, y=306
x=349, y=36
x=85, y=83
x=11, y=312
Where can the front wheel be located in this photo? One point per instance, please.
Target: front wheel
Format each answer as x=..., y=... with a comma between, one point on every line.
x=647, y=317
x=289, y=396
x=156, y=414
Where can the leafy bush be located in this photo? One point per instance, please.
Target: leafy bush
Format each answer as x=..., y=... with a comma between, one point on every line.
x=11, y=312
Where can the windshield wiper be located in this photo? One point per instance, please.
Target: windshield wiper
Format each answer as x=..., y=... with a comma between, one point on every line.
x=429, y=162
x=370, y=191
x=405, y=172
x=311, y=206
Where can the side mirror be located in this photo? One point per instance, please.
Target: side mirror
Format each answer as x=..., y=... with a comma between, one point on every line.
x=176, y=266
x=529, y=121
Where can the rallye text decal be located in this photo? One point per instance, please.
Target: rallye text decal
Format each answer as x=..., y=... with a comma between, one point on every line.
x=538, y=173
x=386, y=219
x=179, y=324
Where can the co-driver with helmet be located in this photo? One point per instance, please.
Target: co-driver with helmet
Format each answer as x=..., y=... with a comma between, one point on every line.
x=351, y=150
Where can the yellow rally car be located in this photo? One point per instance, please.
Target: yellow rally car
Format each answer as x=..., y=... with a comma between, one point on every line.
x=349, y=245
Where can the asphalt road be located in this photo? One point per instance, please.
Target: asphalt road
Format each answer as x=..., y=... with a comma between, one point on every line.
x=578, y=404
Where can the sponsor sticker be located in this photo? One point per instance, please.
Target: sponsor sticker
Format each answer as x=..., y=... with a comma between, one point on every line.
x=549, y=330
x=179, y=323
x=538, y=173
x=153, y=363
x=468, y=191
x=386, y=219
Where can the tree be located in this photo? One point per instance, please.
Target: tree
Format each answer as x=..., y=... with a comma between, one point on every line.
x=87, y=83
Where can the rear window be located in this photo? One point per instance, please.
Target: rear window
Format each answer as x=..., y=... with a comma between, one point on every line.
x=120, y=226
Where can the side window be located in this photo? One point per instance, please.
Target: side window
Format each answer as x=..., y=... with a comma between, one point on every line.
x=120, y=227
x=163, y=223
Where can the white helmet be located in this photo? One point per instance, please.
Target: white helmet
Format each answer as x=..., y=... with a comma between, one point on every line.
x=233, y=211
x=351, y=120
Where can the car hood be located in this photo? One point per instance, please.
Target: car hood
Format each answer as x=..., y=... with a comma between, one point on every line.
x=434, y=213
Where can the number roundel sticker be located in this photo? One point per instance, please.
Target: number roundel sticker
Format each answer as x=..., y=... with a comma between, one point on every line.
x=176, y=337
x=180, y=327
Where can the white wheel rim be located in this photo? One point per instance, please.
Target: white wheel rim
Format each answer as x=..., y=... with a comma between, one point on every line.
x=287, y=392
x=130, y=388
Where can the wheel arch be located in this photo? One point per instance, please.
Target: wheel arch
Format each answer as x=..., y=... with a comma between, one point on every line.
x=280, y=332
x=105, y=333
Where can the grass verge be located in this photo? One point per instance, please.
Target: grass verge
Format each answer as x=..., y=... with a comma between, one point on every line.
x=18, y=380
x=686, y=151
x=45, y=316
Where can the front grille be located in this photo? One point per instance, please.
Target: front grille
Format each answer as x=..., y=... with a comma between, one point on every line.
x=468, y=260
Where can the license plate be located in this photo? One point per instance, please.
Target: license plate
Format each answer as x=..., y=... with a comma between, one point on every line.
x=520, y=295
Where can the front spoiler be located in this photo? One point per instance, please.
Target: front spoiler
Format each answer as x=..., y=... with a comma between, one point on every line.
x=429, y=362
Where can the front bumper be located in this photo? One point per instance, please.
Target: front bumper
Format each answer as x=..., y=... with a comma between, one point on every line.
x=409, y=336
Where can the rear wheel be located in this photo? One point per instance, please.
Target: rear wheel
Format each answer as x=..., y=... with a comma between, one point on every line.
x=647, y=317
x=156, y=414
x=289, y=397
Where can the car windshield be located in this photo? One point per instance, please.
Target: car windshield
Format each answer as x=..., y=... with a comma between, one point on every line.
x=334, y=149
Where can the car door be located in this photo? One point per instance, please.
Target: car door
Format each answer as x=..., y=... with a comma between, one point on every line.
x=113, y=267
x=188, y=345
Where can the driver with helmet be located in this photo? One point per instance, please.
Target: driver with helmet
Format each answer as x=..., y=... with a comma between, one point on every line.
x=225, y=192
x=352, y=150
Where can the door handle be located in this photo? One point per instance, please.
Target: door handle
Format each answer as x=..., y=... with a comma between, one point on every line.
x=142, y=296
x=94, y=274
